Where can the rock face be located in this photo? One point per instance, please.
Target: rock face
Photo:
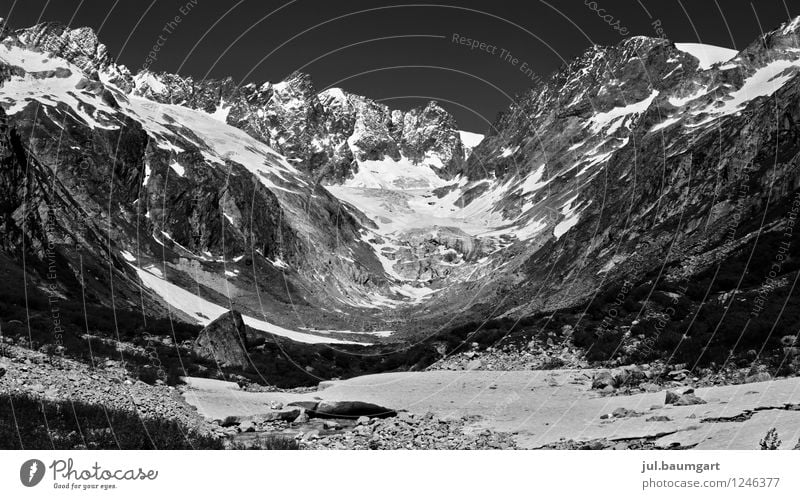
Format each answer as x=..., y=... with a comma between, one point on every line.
x=325, y=134
x=225, y=341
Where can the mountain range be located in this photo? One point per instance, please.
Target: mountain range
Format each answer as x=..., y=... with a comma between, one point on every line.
x=645, y=195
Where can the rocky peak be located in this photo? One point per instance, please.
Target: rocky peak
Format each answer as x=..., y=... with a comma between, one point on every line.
x=325, y=134
x=80, y=46
x=431, y=132
x=781, y=43
x=297, y=87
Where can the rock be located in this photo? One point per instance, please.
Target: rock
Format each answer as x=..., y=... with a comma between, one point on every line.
x=758, y=378
x=307, y=405
x=2, y=371
x=791, y=351
x=406, y=417
x=287, y=414
x=789, y=340
x=658, y=419
x=620, y=412
x=679, y=375
x=362, y=420
x=474, y=365
x=608, y=390
x=224, y=341
x=331, y=425
x=351, y=409
x=302, y=417
x=602, y=380
x=686, y=398
x=247, y=426
x=311, y=435
x=650, y=387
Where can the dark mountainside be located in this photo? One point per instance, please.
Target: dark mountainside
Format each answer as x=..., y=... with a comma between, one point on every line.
x=637, y=207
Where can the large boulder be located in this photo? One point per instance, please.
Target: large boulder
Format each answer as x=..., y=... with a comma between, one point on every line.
x=224, y=341
x=602, y=379
x=351, y=409
x=285, y=414
x=348, y=409
x=687, y=397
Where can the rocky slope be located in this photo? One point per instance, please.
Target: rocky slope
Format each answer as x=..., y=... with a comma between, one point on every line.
x=633, y=158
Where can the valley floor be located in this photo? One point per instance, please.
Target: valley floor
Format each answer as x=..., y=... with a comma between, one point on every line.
x=554, y=408
x=437, y=409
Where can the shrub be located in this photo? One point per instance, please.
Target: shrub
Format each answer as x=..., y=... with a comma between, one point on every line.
x=771, y=440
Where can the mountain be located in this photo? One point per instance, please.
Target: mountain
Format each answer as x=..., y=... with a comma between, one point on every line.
x=639, y=177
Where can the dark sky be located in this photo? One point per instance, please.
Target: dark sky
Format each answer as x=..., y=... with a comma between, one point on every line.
x=361, y=44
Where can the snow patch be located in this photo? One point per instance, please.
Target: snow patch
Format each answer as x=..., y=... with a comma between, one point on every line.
x=470, y=140
x=204, y=311
x=707, y=55
x=614, y=118
x=127, y=256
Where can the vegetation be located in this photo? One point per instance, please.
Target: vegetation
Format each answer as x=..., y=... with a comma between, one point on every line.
x=30, y=423
x=771, y=440
x=269, y=442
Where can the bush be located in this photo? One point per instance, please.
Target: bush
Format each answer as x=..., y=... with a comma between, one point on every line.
x=771, y=440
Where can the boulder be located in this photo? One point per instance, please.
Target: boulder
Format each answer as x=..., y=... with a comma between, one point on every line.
x=351, y=409
x=362, y=420
x=679, y=374
x=247, y=426
x=686, y=398
x=307, y=405
x=224, y=341
x=311, y=435
x=758, y=378
x=474, y=365
x=302, y=417
x=602, y=379
x=650, y=387
x=620, y=412
x=286, y=414
x=331, y=425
